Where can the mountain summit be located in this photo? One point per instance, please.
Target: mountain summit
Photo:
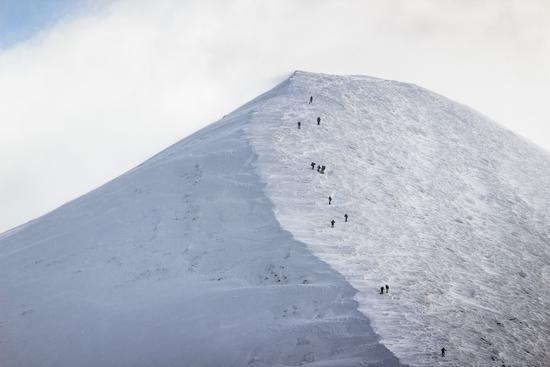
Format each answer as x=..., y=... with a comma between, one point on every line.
x=224, y=249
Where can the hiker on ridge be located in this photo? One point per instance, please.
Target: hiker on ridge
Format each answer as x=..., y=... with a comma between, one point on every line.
x=299, y=124
x=312, y=165
x=318, y=121
x=329, y=200
x=345, y=217
x=332, y=223
x=310, y=99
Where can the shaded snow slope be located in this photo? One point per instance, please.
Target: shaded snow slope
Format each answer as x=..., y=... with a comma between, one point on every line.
x=179, y=262
x=445, y=206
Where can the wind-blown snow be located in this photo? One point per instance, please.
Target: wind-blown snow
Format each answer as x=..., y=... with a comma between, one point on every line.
x=445, y=206
x=179, y=262
x=219, y=252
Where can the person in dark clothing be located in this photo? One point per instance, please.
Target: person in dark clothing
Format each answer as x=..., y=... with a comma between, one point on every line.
x=318, y=121
x=322, y=169
x=329, y=200
x=332, y=223
x=387, y=288
x=318, y=168
x=443, y=350
x=346, y=219
x=312, y=165
x=381, y=290
x=299, y=124
x=310, y=99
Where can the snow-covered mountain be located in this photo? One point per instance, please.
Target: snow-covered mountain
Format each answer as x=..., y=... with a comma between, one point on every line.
x=219, y=251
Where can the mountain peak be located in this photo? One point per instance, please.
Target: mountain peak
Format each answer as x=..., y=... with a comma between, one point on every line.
x=224, y=249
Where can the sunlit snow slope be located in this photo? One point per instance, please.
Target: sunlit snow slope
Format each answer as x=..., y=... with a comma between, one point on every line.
x=179, y=262
x=446, y=207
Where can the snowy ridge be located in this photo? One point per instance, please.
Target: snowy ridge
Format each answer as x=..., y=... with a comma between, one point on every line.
x=219, y=251
x=179, y=262
x=445, y=206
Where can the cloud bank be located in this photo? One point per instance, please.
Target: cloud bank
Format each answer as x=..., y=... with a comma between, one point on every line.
x=101, y=92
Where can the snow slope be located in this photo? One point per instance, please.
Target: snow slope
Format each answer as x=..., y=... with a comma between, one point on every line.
x=219, y=252
x=179, y=262
x=445, y=206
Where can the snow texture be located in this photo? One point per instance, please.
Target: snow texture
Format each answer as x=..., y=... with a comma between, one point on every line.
x=219, y=250
x=179, y=262
x=446, y=207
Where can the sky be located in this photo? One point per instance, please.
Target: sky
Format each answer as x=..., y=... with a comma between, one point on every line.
x=90, y=89
x=23, y=19
x=20, y=19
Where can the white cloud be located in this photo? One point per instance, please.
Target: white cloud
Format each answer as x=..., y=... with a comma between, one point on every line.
x=100, y=93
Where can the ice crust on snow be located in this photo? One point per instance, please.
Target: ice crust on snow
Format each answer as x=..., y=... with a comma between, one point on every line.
x=219, y=251
x=445, y=206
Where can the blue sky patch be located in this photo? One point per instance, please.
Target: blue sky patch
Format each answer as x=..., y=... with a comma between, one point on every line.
x=22, y=19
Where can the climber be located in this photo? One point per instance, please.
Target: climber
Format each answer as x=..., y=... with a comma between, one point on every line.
x=443, y=350
x=332, y=223
x=329, y=200
x=387, y=288
x=310, y=99
x=299, y=124
x=312, y=165
x=381, y=290
x=318, y=121
x=318, y=168
x=322, y=169
x=346, y=219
